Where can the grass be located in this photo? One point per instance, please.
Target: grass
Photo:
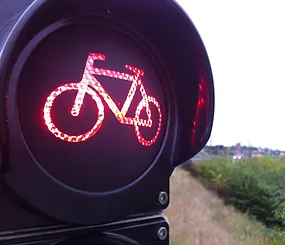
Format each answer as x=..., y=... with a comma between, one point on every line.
x=253, y=186
x=198, y=217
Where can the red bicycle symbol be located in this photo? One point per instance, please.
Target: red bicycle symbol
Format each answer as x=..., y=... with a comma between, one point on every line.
x=91, y=86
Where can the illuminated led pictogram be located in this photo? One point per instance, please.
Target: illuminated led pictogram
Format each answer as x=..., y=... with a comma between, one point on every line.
x=90, y=85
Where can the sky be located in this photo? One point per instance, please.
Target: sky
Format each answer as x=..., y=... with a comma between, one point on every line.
x=245, y=41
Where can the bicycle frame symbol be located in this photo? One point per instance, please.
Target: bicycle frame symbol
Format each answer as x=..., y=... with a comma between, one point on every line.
x=91, y=86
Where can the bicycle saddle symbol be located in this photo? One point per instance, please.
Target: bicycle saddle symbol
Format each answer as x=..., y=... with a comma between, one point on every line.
x=91, y=86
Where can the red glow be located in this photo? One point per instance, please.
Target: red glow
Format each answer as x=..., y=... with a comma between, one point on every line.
x=202, y=107
x=83, y=87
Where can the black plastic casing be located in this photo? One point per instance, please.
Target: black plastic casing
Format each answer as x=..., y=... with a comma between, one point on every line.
x=179, y=55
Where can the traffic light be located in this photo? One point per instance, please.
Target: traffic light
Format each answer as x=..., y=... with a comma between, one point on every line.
x=99, y=102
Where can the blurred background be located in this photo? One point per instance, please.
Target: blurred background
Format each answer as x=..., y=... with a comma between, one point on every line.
x=233, y=191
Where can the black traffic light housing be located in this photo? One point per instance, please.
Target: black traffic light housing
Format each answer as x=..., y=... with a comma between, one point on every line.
x=153, y=230
x=173, y=47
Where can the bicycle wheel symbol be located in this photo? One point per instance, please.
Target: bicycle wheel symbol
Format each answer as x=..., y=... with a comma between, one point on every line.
x=63, y=136
x=142, y=105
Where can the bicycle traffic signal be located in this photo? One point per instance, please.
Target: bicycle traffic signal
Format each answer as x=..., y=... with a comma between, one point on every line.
x=100, y=101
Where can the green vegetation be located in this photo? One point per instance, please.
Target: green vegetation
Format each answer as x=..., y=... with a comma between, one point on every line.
x=253, y=186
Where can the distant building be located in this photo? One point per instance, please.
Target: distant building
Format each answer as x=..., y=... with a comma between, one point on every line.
x=257, y=154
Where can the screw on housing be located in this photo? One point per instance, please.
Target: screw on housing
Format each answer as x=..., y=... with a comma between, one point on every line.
x=162, y=233
x=163, y=198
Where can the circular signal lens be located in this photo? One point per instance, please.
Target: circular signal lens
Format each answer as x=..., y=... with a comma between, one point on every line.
x=91, y=107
